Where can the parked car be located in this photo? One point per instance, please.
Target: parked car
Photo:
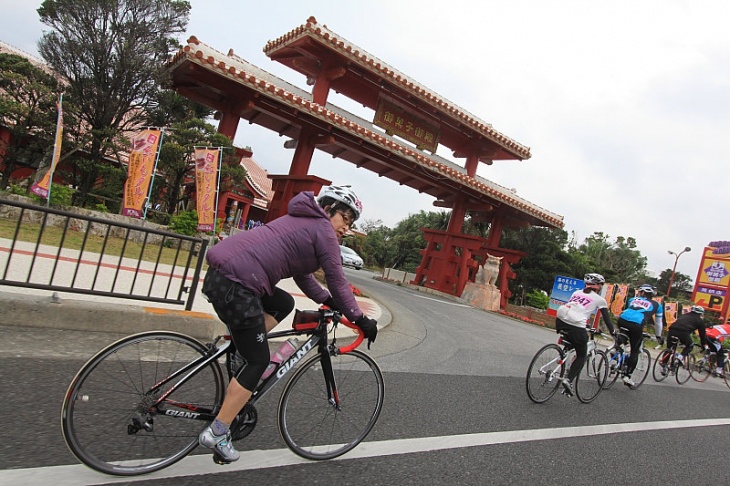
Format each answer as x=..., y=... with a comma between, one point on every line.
x=350, y=258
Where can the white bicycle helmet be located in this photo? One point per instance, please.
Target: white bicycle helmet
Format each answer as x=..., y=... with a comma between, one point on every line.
x=594, y=279
x=647, y=289
x=697, y=309
x=344, y=195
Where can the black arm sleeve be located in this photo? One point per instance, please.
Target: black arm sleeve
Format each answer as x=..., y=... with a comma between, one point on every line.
x=607, y=319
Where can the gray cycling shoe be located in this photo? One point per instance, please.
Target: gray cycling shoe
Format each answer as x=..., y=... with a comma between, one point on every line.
x=220, y=444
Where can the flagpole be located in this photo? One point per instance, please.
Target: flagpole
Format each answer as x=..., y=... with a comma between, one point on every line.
x=56, y=148
x=152, y=182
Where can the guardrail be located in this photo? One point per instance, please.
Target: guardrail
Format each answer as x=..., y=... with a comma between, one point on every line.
x=49, y=249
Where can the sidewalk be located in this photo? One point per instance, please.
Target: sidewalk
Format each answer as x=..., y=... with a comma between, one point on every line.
x=80, y=312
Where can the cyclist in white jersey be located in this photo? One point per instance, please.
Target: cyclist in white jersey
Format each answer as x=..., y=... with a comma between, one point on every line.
x=572, y=318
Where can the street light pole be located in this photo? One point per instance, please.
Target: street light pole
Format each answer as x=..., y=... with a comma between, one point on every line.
x=674, y=268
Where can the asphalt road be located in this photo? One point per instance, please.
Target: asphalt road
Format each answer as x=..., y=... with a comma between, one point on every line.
x=456, y=412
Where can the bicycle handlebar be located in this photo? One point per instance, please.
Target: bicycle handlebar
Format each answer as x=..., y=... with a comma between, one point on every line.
x=358, y=340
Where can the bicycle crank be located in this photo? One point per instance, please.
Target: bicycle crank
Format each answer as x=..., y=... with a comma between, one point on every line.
x=244, y=423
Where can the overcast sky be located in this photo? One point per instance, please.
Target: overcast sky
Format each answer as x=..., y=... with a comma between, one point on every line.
x=625, y=105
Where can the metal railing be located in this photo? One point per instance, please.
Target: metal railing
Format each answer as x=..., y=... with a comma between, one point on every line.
x=50, y=249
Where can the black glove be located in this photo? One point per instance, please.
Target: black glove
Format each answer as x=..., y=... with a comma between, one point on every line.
x=330, y=302
x=369, y=328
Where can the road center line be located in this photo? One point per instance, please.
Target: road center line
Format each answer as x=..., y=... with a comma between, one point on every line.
x=262, y=459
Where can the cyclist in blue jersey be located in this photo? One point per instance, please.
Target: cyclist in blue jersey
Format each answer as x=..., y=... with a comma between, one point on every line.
x=640, y=310
x=572, y=318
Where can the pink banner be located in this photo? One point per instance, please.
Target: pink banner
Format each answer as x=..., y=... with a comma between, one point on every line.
x=141, y=164
x=41, y=188
x=206, y=186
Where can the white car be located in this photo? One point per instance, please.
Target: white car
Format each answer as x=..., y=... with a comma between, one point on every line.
x=350, y=258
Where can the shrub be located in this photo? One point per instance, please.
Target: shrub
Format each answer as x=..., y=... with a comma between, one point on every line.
x=60, y=196
x=185, y=223
x=537, y=299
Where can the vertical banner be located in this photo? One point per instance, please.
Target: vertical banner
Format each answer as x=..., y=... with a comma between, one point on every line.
x=42, y=187
x=206, y=182
x=619, y=299
x=670, y=313
x=141, y=165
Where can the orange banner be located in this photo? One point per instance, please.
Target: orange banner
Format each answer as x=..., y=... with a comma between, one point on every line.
x=141, y=165
x=41, y=188
x=619, y=299
x=670, y=313
x=206, y=186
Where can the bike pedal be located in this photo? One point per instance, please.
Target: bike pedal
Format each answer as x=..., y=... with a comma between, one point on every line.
x=218, y=459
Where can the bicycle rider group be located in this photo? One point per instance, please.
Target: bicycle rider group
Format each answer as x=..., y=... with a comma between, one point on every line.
x=641, y=311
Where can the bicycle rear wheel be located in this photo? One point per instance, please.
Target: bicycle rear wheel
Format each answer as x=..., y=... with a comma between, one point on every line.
x=642, y=368
x=107, y=417
x=662, y=365
x=544, y=373
x=318, y=423
x=590, y=381
x=683, y=372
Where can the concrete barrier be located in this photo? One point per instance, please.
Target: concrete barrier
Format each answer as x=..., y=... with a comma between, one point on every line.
x=398, y=275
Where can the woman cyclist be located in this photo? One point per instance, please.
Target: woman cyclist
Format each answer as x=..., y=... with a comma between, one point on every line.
x=640, y=310
x=241, y=285
x=572, y=318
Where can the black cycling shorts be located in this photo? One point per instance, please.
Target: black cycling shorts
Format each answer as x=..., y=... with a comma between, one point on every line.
x=238, y=307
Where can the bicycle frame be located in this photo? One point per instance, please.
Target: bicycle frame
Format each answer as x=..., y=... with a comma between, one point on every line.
x=317, y=339
x=569, y=353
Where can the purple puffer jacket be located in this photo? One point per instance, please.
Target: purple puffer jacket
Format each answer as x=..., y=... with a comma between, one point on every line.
x=294, y=245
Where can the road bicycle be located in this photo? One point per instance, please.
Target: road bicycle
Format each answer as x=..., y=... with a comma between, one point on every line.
x=138, y=405
x=704, y=364
x=668, y=363
x=618, y=360
x=552, y=362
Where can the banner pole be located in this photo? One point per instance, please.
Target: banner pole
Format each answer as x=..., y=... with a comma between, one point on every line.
x=217, y=188
x=152, y=182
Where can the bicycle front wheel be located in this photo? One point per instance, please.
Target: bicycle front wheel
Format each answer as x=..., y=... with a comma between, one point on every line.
x=319, y=423
x=613, y=369
x=544, y=373
x=701, y=369
x=662, y=365
x=643, y=364
x=592, y=378
x=683, y=372
x=107, y=416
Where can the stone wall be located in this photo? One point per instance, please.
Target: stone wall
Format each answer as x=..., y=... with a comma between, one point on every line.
x=79, y=224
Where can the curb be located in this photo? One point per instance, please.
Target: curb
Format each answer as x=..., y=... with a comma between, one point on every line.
x=39, y=311
x=21, y=310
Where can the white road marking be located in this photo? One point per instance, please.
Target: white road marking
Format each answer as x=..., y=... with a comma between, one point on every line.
x=261, y=459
